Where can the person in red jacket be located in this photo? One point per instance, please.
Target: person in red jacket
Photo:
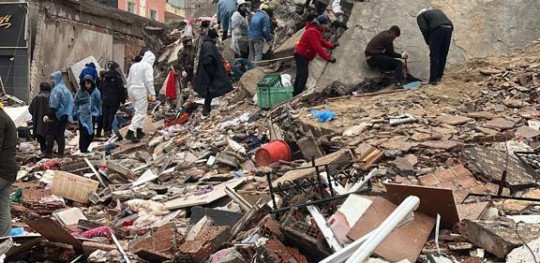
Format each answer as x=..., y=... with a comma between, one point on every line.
x=311, y=44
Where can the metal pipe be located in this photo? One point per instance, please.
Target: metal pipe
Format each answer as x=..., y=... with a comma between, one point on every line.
x=345, y=252
x=366, y=249
x=316, y=202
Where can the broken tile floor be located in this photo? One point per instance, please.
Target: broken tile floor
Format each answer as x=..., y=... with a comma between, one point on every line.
x=195, y=192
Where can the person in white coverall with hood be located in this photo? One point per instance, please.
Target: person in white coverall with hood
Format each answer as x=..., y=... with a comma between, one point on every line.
x=141, y=90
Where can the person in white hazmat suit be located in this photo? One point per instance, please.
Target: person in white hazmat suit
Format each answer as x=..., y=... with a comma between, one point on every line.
x=141, y=90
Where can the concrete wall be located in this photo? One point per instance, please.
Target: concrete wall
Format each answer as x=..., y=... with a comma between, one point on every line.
x=64, y=35
x=482, y=28
x=143, y=8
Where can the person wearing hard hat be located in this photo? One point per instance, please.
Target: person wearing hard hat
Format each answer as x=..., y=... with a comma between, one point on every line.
x=260, y=33
x=240, y=31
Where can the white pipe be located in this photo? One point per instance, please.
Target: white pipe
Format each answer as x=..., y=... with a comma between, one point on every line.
x=363, y=181
x=327, y=232
x=389, y=224
x=340, y=190
x=345, y=252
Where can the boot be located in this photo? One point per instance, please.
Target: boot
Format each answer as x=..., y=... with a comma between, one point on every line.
x=130, y=136
x=140, y=134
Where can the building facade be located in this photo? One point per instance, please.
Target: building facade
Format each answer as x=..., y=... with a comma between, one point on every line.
x=151, y=9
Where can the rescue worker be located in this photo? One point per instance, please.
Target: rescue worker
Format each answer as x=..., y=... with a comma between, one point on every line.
x=380, y=54
x=240, y=31
x=113, y=94
x=39, y=109
x=87, y=102
x=211, y=80
x=311, y=44
x=260, y=34
x=437, y=31
x=60, y=111
x=225, y=10
x=141, y=90
x=8, y=169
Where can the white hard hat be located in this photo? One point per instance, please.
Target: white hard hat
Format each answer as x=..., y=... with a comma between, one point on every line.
x=241, y=2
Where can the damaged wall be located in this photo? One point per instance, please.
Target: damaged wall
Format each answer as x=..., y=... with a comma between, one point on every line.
x=68, y=32
x=482, y=28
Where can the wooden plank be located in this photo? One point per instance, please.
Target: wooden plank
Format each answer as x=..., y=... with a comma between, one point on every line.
x=405, y=242
x=50, y=230
x=73, y=187
x=194, y=200
x=433, y=201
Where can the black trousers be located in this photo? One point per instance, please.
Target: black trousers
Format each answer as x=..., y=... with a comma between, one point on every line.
x=387, y=63
x=99, y=122
x=439, y=44
x=108, y=113
x=85, y=138
x=42, y=143
x=207, y=102
x=56, y=134
x=302, y=74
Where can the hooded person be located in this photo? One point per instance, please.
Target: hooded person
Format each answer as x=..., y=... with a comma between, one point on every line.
x=211, y=80
x=60, y=110
x=113, y=94
x=39, y=107
x=141, y=89
x=87, y=102
x=240, y=31
x=311, y=44
x=89, y=69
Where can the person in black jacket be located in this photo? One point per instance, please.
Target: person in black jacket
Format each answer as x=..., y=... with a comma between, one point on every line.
x=211, y=80
x=380, y=54
x=113, y=93
x=39, y=109
x=437, y=30
x=8, y=169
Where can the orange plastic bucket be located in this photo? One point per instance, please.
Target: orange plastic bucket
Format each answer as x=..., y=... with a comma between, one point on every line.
x=272, y=152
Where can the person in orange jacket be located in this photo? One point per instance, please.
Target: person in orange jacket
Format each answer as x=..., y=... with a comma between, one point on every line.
x=311, y=44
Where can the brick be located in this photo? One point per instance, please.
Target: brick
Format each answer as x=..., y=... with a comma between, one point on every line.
x=448, y=185
x=492, y=188
x=445, y=175
x=466, y=182
x=478, y=189
x=428, y=180
x=460, y=195
x=460, y=170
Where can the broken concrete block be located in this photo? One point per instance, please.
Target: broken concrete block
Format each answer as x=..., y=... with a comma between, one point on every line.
x=440, y=145
x=523, y=254
x=250, y=79
x=309, y=147
x=69, y=216
x=229, y=255
x=500, y=124
x=402, y=167
x=527, y=132
x=498, y=237
x=123, y=171
x=453, y=119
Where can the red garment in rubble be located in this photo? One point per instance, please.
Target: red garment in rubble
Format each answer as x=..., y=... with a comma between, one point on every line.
x=170, y=90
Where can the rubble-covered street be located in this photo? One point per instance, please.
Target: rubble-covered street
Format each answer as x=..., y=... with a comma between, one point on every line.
x=340, y=173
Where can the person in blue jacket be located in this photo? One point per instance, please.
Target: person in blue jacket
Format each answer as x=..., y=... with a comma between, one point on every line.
x=225, y=10
x=89, y=69
x=60, y=110
x=260, y=33
x=87, y=104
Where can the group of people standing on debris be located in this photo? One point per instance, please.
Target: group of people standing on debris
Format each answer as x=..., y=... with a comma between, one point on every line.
x=94, y=107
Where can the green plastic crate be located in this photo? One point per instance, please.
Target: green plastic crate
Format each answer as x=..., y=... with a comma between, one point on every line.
x=268, y=97
x=270, y=80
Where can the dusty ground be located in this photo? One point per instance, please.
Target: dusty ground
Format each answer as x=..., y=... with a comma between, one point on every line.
x=462, y=86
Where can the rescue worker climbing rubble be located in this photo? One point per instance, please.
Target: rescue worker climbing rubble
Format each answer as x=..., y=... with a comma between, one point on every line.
x=141, y=90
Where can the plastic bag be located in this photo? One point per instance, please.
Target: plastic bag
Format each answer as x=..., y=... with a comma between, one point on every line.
x=323, y=116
